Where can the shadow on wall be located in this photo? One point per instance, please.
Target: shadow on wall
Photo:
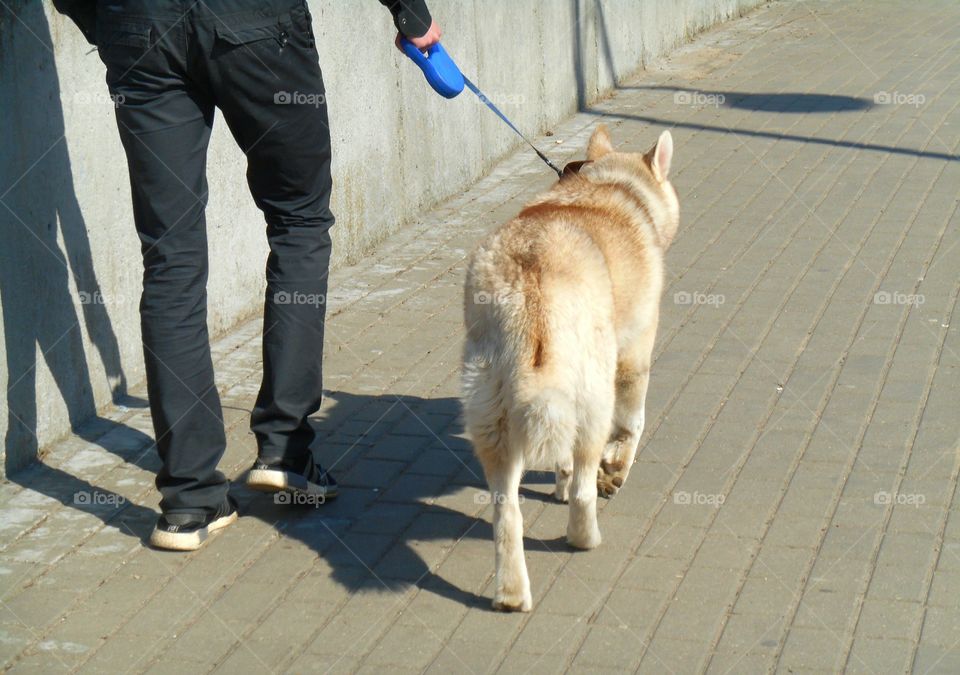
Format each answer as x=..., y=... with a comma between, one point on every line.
x=684, y=97
x=44, y=244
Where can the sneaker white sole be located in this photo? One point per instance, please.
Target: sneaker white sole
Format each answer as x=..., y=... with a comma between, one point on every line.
x=189, y=541
x=268, y=480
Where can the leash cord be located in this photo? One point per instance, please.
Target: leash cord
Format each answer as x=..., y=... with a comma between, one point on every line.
x=486, y=101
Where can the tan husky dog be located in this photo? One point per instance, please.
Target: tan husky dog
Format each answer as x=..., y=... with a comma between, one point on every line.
x=561, y=308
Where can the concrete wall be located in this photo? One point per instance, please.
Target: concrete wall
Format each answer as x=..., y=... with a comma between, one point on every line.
x=69, y=260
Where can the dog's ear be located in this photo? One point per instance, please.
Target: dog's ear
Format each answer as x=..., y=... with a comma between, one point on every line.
x=600, y=144
x=573, y=168
x=659, y=156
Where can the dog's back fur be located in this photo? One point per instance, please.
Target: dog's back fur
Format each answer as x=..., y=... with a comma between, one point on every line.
x=557, y=302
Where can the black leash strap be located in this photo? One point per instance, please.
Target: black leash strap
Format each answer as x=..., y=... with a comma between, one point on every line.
x=472, y=87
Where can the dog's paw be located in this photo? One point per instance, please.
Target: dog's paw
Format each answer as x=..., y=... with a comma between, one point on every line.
x=585, y=540
x=505, y=601
x=610, y=478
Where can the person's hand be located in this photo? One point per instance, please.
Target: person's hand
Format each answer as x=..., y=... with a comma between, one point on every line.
x=428, y=39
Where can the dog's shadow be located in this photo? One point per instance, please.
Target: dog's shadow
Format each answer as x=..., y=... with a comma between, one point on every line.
x=410, y=489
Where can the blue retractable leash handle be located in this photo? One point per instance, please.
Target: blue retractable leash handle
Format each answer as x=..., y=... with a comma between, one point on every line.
x=446, y=79
x=441, y=72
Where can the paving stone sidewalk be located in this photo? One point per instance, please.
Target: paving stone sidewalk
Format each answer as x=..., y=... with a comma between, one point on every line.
x=794, y=506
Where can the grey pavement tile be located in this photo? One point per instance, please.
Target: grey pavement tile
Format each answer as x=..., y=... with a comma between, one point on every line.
x=811, y=649
x=475, y=655
x=944, y=588
x=826, y=609
x=895, y=582
x=766, y=595
x=410, y=647
x=889, y=619
x=726, y=552
x=636, y=610
x=752, y=633
x=691, y=620
x=551, y=634
x=674, y=655
x=725, y=662
x=877, y=655
x=546, y=664
x=937, y=660
x=609, y=647
x=941, y=627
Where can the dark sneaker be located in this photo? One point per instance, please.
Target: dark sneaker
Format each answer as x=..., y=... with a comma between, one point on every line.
x=312, y=480
x=187, y=531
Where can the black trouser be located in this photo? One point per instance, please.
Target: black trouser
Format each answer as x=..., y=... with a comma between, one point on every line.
x=170, y=63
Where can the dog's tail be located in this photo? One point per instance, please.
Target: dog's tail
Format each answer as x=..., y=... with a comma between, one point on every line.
x=510, y=410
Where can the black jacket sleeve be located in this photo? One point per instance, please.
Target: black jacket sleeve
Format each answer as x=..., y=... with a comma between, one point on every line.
x=83, y=13
x=411, y=17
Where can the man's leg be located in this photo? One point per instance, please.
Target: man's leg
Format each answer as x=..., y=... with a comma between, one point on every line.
x=269, y=86
x=165, y=126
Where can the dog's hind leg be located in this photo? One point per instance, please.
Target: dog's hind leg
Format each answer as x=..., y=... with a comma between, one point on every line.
x=633, y=377
x=503, y=473
x=595, y=406
x=582, y=529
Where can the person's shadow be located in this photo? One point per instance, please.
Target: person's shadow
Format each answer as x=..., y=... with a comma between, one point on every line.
x=44, y=245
